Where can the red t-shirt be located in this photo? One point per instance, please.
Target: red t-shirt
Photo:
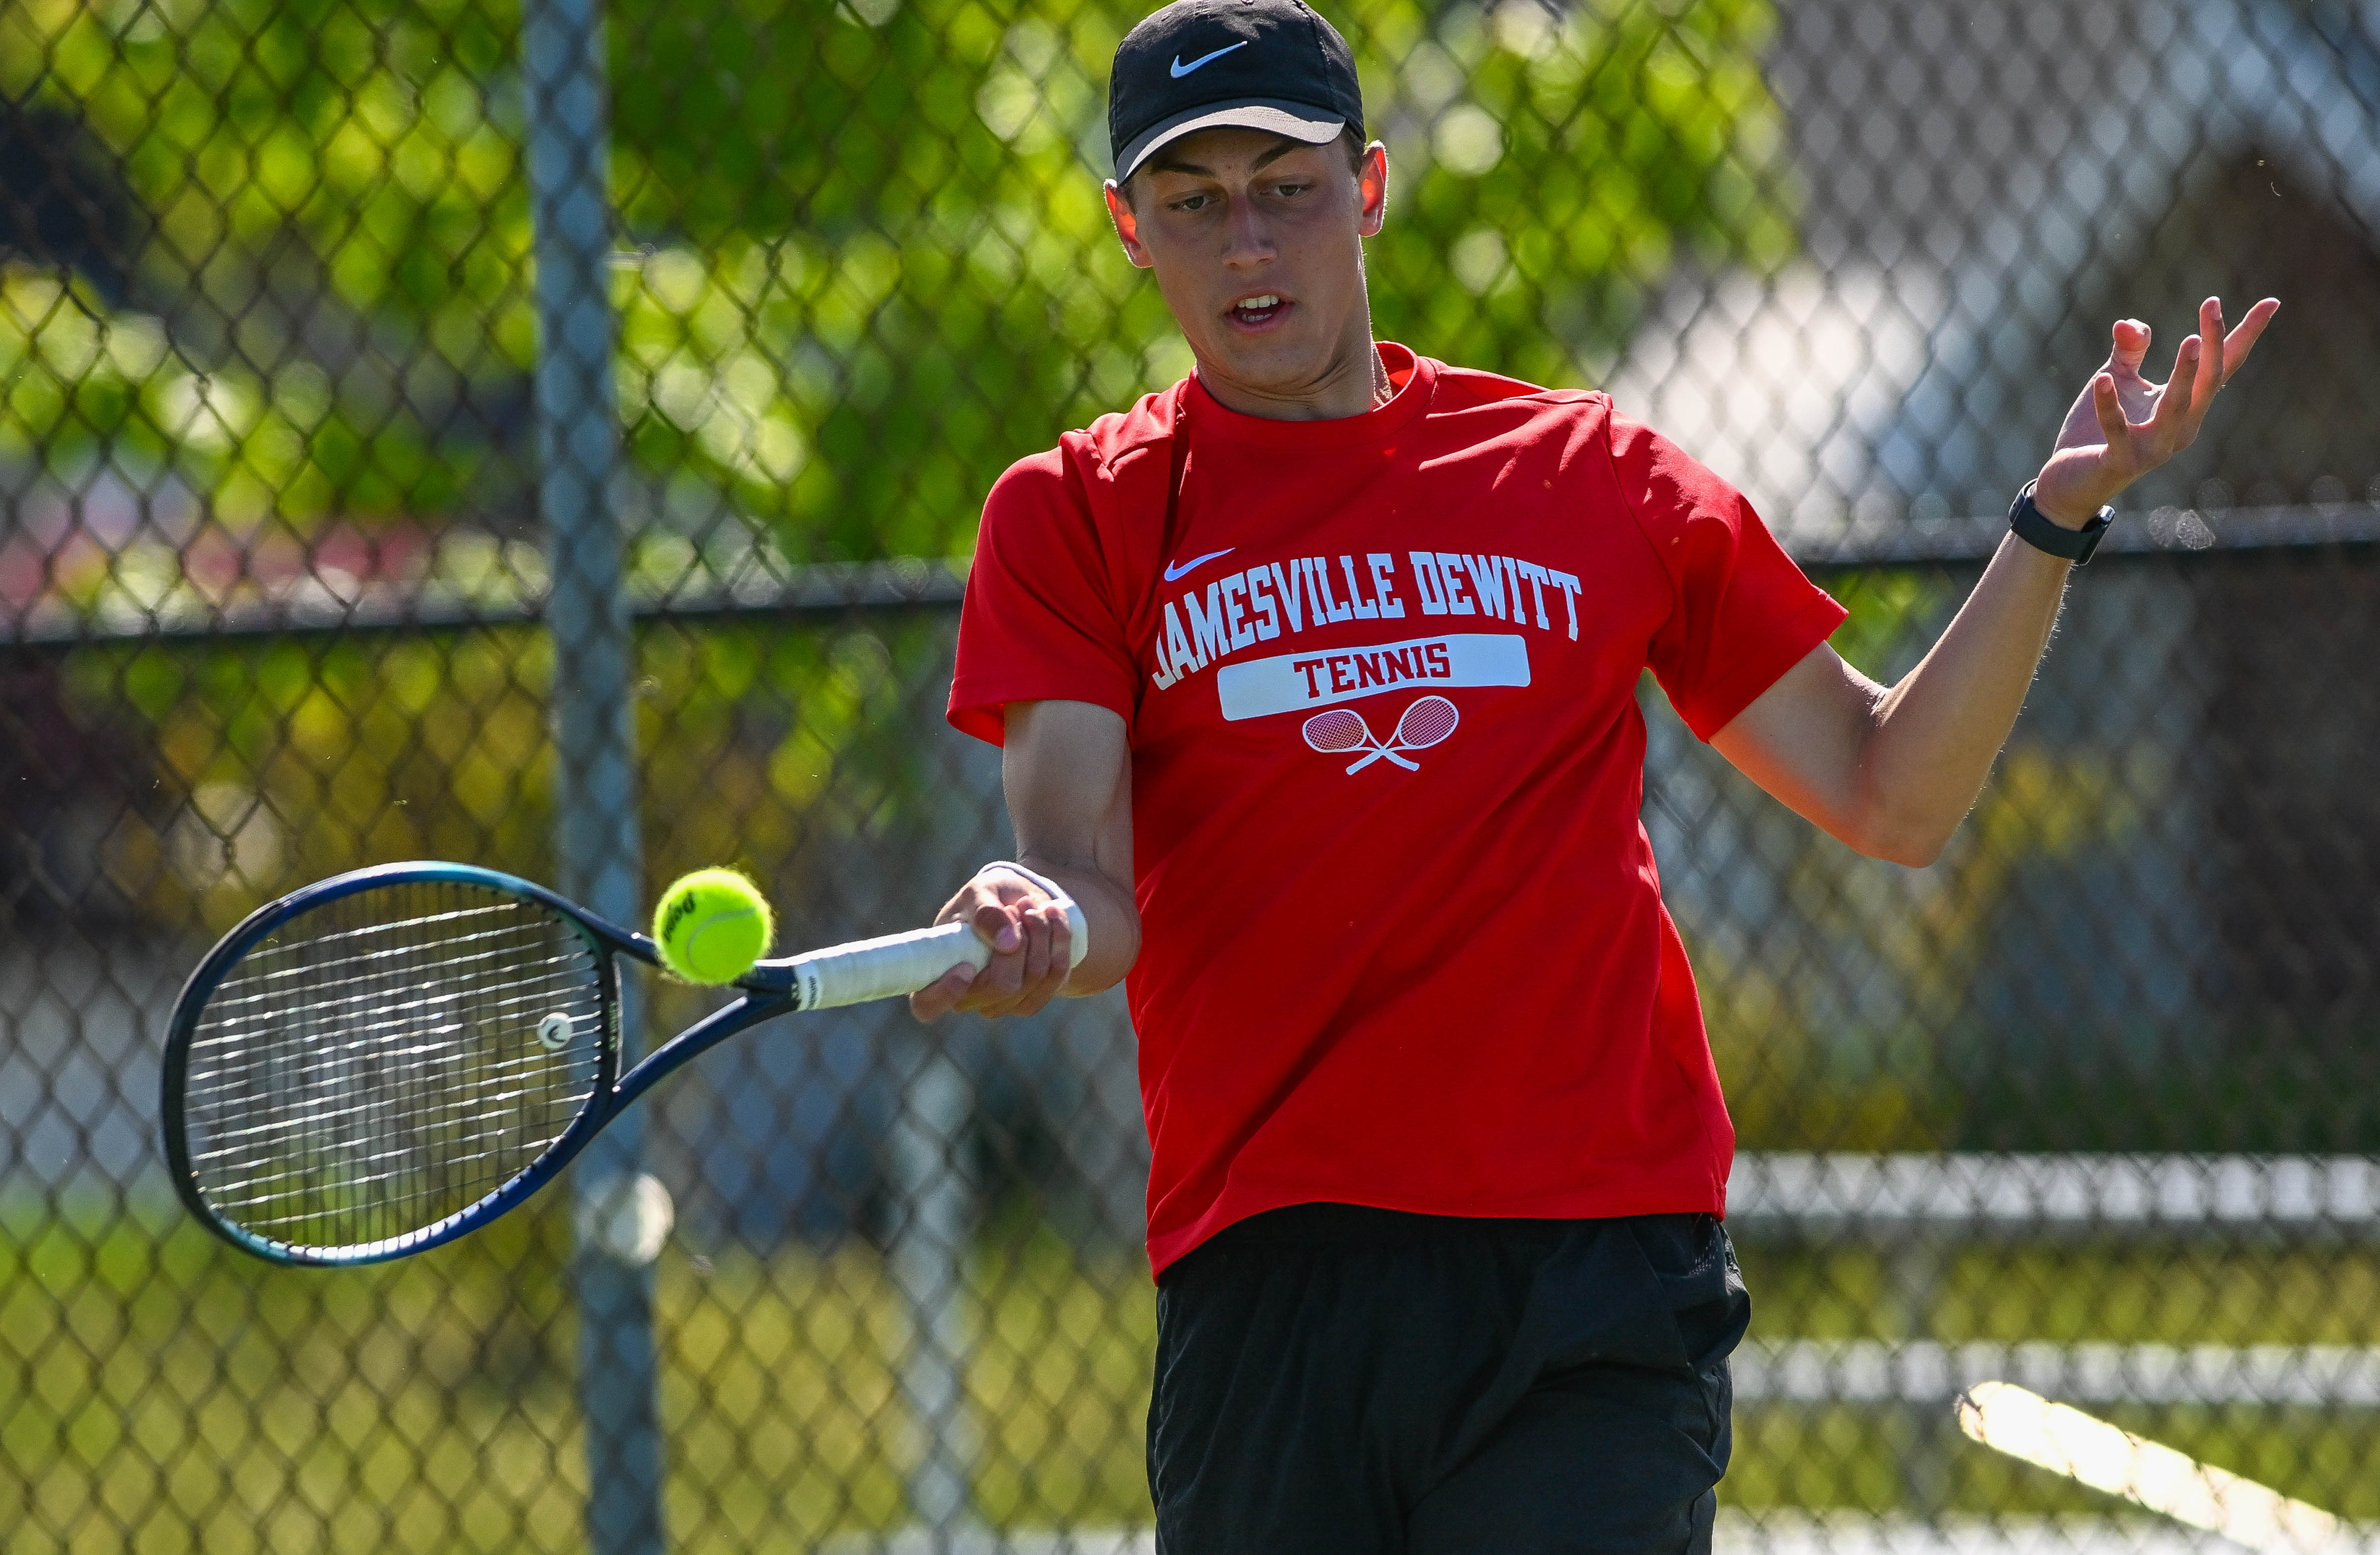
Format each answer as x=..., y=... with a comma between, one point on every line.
x=1403, y=940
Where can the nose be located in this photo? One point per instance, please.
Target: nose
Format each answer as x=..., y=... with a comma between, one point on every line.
x=1248, y=237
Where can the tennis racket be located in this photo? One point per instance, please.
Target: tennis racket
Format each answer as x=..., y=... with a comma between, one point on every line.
x=1424, y=723
x=2065, y=1441
x=390, y=1059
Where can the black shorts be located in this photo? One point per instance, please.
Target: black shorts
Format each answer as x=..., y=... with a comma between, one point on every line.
x=1338, y=1381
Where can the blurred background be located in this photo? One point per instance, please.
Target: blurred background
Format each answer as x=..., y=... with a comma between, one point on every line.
x=552, y=438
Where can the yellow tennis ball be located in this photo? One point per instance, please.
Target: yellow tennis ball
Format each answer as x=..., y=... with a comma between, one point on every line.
x=712, y=926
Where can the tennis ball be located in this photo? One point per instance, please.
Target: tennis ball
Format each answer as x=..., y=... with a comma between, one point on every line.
x=712, y=926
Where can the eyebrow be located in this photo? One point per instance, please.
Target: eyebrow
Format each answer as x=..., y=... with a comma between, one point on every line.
x=1282, y=148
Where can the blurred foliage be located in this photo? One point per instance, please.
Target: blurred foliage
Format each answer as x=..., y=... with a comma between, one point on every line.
x=865, y=261
x=81, y=384
x=301, y=757
x=330, y=220
x=863, y=264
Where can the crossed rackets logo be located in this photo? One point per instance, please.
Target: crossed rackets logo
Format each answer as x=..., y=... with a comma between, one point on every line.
x=1340, y=730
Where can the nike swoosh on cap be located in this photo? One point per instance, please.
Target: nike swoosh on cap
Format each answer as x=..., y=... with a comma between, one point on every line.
x=1181, y=69
x=1174, y=573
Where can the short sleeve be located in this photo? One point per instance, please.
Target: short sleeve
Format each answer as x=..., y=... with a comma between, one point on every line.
x=1742, y=614
x=1040, y=621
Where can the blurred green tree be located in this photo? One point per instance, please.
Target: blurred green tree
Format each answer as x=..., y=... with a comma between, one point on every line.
x=862, y=264
x=864, y=259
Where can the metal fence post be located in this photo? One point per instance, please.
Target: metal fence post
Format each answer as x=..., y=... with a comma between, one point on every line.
x=927, y=1260
x=598, y=846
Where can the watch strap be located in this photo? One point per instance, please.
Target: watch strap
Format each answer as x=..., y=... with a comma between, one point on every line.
x=2042, y=532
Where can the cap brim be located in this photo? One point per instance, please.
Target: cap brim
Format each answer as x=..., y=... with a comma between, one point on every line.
x=1299, y=121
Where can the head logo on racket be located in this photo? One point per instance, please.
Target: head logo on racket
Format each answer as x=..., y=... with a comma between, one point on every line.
x=1337, y=731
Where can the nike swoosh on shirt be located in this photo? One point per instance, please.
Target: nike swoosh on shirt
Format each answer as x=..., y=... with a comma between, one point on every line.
x=1174, y=573
x=1181, y=69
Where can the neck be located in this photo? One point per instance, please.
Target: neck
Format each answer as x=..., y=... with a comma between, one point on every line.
x=1354, y=381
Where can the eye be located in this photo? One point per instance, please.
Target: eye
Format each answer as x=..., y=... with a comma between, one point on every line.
x=1190, y=202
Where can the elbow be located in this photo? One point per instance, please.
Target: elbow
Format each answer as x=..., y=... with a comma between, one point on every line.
x=1883, y=809
x=1914, y=841
x=1913, y=852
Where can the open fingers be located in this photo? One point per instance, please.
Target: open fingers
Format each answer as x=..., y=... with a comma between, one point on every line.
x=2211, y=370
x=2131, y=347
x=2109, y=408
x=2188, y=391
x=2243, y=339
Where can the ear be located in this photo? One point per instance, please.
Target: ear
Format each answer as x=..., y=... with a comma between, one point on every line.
x=1127, y=227
x=1372, y=184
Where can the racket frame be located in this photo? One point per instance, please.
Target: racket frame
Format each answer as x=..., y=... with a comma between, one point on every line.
x=770, y=989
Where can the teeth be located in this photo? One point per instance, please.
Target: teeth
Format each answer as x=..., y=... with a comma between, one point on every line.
x=1258, y=304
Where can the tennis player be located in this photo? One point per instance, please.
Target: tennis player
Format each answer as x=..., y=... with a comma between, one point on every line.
x=1315, y=675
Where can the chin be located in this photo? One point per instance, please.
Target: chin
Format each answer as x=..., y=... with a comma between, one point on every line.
x=1269, y=367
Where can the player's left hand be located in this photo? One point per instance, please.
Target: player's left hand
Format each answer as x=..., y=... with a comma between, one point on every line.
x=2124, y=426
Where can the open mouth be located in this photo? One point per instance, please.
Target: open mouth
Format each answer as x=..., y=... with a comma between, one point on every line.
x=1257, y=310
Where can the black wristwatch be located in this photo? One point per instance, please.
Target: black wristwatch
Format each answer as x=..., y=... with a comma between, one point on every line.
x=2042, y=532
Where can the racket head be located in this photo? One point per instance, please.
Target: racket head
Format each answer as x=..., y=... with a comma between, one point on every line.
x=1337, y=731
x=384, y=1060
x=1425, y=722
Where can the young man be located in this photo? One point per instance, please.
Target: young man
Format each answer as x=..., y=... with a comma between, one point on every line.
x=1315, y=675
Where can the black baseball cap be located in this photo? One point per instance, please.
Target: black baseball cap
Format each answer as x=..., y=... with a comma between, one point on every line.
x=1258, y=64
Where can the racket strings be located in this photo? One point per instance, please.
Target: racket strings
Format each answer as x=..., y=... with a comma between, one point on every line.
x=1336, y=732
x=262, y=986
x=377, y=1065
x=1426, y=722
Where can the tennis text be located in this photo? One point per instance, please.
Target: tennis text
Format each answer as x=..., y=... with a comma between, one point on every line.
x=1293, y=681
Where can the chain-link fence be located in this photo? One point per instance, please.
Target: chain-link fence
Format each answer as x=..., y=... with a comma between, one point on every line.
x=335, y=336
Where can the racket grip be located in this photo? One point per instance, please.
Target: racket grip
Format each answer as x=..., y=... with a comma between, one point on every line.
x=899, y=965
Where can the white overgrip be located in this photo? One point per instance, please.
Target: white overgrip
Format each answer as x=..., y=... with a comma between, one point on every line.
x=899, y=965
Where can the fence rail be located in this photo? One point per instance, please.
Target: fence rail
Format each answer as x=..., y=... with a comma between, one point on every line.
x=1928, y=1373
x=748, y=584
x=1883, y=1197
x=746, y=579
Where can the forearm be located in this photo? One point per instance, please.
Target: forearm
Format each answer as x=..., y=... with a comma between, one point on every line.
x=1068, y=780
x=1933, y=736
x=1892, y=772
x=1067, y=774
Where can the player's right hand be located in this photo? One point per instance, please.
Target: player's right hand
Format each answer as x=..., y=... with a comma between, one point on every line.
x=1031, y=951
